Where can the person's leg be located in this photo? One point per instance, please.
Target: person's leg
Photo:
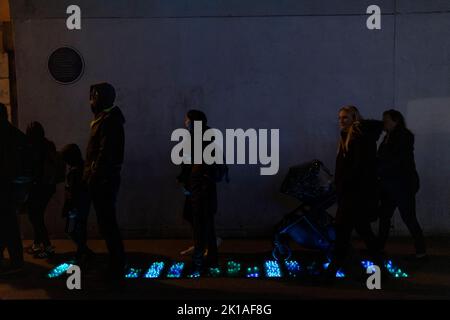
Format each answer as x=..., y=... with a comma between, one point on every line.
x=407, y=208
x=47, y=194
x=104, y=201
x=9, y=228
x=199, y=238
x=343, y=236
x=33, y=216
x=78, y=233
x=198, y=201
x=364, y=230
x=38, y=205
x=211, y=239
x=387, y=209
x=13, y=240
x=187, y=215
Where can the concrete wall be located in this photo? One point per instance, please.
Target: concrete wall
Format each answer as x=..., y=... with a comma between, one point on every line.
x=4, y=62
x=4, y=71
x=249, y=64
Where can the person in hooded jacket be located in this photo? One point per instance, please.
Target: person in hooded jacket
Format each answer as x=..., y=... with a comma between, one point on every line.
x=356, y=184
x=103, y=164
x=42, y=189
x=201, y=200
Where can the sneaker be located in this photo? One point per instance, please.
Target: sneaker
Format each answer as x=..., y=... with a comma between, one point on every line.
x=421, y=256
x=187, y=251
x=34, y=249
x=46, y=253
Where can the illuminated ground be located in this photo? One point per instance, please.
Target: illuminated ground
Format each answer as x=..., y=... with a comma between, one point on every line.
x=430, y=280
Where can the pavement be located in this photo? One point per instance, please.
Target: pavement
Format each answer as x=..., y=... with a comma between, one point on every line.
x=427, y=280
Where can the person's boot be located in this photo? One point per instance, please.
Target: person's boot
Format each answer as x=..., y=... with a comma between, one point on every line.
x=84, y=259
x=34, y=249
x=187, y=251
x=46, y=253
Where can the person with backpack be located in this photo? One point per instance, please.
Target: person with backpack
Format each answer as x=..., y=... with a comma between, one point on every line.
x=45, y=176
x=76, y=203
x=199, y=182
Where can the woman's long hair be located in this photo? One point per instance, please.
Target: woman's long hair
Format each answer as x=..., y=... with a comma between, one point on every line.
x=354, y=129
x=397, y=117
x=197, y=115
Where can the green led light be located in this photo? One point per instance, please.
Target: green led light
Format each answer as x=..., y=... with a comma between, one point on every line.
x=214, y=272
x=233, y=268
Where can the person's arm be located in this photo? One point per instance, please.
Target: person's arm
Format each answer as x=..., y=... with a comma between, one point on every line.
x=111, y=136
x=401, y=149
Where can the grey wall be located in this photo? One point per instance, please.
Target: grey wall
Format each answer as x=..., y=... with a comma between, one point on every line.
x=249, y=64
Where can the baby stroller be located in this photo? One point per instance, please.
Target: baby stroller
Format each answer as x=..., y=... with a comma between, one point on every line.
x=309, y=225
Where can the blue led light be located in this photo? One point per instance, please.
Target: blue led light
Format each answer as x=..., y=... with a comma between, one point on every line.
x=367, y=264
x=252, y=272
x=155, y=270
x=339, y=273
x=175, y=270
x=272, y=269
x=133, y=273
x=293, y=267
x=59, y=270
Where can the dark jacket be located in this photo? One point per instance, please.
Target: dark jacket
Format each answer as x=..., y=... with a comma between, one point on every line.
x=76, y=196
x=105, y=151
x=198, y=181
x=15, y=155
x=356, y=172
x=396, y=158
x=45, y=162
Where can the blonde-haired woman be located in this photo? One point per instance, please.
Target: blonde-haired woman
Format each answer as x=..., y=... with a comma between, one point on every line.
x=355, y=179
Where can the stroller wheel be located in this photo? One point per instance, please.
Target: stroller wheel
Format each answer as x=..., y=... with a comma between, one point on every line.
x=281, y=252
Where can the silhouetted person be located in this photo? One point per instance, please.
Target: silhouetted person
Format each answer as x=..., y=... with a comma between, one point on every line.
x=42, y=189
x=201, y=200
x=76, y=203
x=398, y=179
x=104, y=158
x=12, y=151
x=355, y=179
